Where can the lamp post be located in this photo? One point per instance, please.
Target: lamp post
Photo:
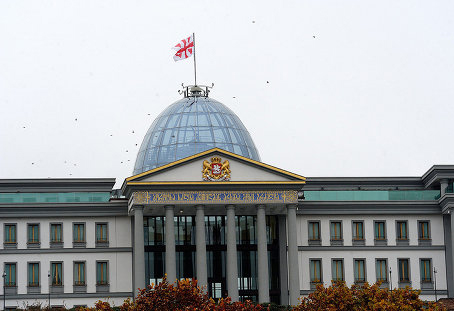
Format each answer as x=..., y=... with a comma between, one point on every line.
x=435, y=283
x=48, y=275
x=390, y=278
x=4, y=290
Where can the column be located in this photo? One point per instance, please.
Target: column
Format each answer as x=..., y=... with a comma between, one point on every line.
x=232, y=261
x=201, y=250
x=262, y=256
x=450, y=249
x=293, y=267
x=443, y=186
x=170, y=245
x=139, y=250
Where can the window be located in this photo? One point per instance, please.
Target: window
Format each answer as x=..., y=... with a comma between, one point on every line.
x=381, y=270
x=33, y=274
x=79, y=233
x=57, y=272
x=402, y=233
x=101, y=233
x=426, y=271
x=314, y=230
x=380, y=233
x=423, y=230
x=55, y=233
x=336, y=230
x=358, y=230
x=10, y=274
x=10, y=233
x=360, y=271
x=337, y=270
x=79, y=273
x=33, y=233
x=316, y=270
x=404, y=276
x=101, y=273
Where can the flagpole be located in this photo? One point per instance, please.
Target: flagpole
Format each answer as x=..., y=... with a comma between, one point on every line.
x=195, y=68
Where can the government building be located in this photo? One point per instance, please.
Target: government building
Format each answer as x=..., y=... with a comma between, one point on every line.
x=201, y=204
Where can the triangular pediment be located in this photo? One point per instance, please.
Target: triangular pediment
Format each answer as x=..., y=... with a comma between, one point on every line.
x=204, y=168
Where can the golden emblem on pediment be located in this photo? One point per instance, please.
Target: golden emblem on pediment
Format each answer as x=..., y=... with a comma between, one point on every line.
x=216, y=170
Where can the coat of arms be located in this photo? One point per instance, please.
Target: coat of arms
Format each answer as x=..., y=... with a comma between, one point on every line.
x=216, y=170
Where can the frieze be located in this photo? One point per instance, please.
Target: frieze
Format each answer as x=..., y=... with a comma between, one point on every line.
x=213, y=197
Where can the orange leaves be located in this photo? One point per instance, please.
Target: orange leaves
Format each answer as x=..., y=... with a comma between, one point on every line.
x=364, y=298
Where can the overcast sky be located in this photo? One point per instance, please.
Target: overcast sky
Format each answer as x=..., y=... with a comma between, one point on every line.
x=356, y=88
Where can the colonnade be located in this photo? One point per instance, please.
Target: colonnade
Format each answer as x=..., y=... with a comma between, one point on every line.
x=231, y=262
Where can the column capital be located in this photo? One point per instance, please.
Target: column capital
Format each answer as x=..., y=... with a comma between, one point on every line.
x=169, y=207
x=200, y=207
x=261, y=206
x=230, y=206
x=292, y=206
x=138, y=207
x=444, y=181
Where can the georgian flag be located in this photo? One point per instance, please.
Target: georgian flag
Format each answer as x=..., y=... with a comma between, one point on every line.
x=184, y=49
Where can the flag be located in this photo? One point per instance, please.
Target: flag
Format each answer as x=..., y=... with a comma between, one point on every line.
x=184, y=49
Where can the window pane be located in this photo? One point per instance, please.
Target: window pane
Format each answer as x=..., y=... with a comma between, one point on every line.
x=101, y=233
x=33, y=274
x=336, y=233
x=10, y=233
x=403, y=270
x=33, y=234
x=359, y=271
x=337, y=270
x=315, y=267
x=314, y=231
x=57, y=274
x=380, y=230
x=79, y=233
x=79, y=273
x=10, y=277
x=381, y=270
x=426, y=271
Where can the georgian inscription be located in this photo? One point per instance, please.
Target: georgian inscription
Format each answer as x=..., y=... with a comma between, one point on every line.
x=198, y=197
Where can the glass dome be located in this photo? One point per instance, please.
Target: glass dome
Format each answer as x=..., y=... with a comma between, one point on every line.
x=191, y=125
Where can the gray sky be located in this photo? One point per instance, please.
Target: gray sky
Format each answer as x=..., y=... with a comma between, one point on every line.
x=371, y=95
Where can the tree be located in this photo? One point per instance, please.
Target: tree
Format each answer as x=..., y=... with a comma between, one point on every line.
x=367, y=297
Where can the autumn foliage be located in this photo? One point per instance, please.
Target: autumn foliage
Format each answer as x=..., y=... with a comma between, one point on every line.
x=367, y=297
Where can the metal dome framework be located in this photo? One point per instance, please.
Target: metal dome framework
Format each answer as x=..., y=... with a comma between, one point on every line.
x=191, y=125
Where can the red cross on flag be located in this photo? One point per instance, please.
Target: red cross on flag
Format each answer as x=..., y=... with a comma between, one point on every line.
x=184, y=48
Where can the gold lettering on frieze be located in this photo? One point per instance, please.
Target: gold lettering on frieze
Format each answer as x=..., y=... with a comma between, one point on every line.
x=232, y=197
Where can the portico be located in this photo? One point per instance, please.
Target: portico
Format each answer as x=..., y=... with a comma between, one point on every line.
x=224, y=233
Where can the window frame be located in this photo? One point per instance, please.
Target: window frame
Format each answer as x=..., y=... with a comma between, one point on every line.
x=9, y=284
x=101, y=242
x=356, y=280
x=79, y=243
x=320, y=281
x=75, y=282
x=354, y=222
x=98, y=282
x=398, y=231
x=408, y=280
x=314, y=241
x=341, y=260
x=50, y=232
x=422, y=240
x=52, y=273
x=11, y=243
x=340, y=240
x=33, y=244
x=377, y=279
x=35, y=285
x=423, y=280
x=385, y=235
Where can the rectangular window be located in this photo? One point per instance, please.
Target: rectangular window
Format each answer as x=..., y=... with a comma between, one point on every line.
x=56, y=268
x=314, y=230
x=79, y=273
x=101, y=273
x=380, y=233
x=337, y=270
x=10, y=274
x=426, y=270
x=10, y=233
x=336, y=230
x=316, y=270
x=33, y=233
x=360, y=270
x=33, y=274
x=424, y=230
x=101, y=233
x=381, y=270
x=55, y=233
x=358, y=230
x=404, y=275
x=79, y=233
x=402, y=233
